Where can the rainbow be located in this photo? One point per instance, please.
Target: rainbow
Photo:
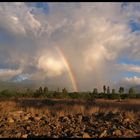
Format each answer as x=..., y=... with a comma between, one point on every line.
x=68, y=67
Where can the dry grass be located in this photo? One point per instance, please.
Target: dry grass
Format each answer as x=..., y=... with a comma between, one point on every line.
x=65, y=107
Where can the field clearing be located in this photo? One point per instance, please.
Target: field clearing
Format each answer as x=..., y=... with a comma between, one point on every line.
x=67, y=106
x=54, y=118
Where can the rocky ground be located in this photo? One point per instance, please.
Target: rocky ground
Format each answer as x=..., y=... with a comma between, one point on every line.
x=22, y=124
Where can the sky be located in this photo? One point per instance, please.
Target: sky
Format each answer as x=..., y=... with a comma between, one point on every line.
x=79, y=46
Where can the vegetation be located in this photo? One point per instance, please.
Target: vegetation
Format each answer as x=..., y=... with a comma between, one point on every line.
x=58, y=94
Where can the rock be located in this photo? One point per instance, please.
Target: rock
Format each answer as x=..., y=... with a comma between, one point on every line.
x=126, y=120
x=86, y=135
x=10, y=120
x=95, y=114
x=28, y=128
x=37, y=118
x=43, y=118
x=80, y=118
x=117, y=132
x=19, y=112
x=75, y=136
x=18, y=135
x=114, y=127
x=54, y=136
x=32, y=118
x=103, y=134
x=64, y=119
x=25, y=136
x=26, y=118
x=85, y=118
x=129, y=133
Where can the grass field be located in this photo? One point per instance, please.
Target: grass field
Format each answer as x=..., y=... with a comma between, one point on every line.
x=66, y=106
x=54, y=118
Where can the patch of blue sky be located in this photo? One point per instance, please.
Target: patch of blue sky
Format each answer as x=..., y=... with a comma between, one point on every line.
x=130, y=74
x=43, y=6
x=128, y=61
x=124, y=4
x=135, y=26
x=20, y=78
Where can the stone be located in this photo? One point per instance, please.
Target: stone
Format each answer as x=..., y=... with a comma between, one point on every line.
x=28, y=128
x=80, y=118
x=37, y=118
x=103, y=134
x=85, y=118
x=19, y=112
x=10, y=120
x=25, y=136
x=114, y=127
x=18, y=135
x=117, y=132
x=96, y=114
x=86, y=135
x=129, y=133
x=126, y=120
x=31, y=118
x=26, y=118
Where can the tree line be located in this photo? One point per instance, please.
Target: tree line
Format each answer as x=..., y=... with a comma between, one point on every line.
x=44, y=92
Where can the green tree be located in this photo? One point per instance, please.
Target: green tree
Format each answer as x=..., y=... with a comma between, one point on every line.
x=108, y=90
x=113, y=91
x=121, y=90
x=45, y=92
x=104, y=89
x=95, y=91
x=131, y=91
x=45, y=89
x=40, y=90
x=58, y=90
x=36, y=93
x=92, y=95
x=64, y=90
x=64, y=93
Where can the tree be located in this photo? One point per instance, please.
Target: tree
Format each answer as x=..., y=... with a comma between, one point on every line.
x=45, y=89
x=108, y=90
x=113, y=91
x=64, y=90
x=104, y=89
x=121, y=90
x=40, y=90
x=36, y=93
x=95, y=91
x=131, y=91
x=93, y=95
x=64, y=93
x=58, y=90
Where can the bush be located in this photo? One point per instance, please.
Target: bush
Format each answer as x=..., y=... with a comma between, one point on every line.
x=131, y=96
x=124, y=96
x=138, y=95
x=102, y=95
x=114, y=96
x=59, y=95
x=74, y=95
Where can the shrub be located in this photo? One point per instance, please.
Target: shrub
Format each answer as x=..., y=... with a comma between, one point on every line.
x=114, y=96
x=131, y=95
x=74, y=95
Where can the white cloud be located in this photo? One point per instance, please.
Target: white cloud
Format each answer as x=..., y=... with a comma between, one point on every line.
x=51, y=66
x=91, y=36
x=129, y=81
x=129, y=67
x=7, y=74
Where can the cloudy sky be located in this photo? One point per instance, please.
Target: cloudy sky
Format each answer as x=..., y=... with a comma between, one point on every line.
x=74, y=45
